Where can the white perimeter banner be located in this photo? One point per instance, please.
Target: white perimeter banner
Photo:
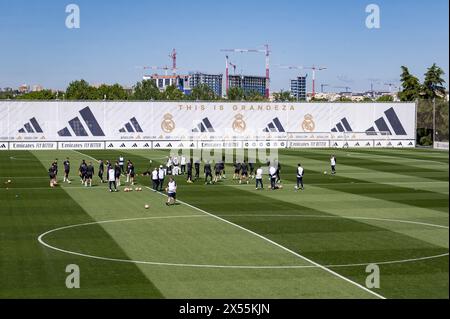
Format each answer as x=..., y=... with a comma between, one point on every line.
x=123, y=122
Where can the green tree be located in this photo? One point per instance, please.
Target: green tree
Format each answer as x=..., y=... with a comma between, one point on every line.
x=283, y=96
x=172, y=93
x=385, y=98
x=254, y=96
x=433, y=85
x=410, y=85
x=112, y=92
x=38, y=95
x=81, y=90
x=202, y=92
x=146, y=90
x=236, y=94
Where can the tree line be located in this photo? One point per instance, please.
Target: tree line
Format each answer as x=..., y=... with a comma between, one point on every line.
x=433, y=87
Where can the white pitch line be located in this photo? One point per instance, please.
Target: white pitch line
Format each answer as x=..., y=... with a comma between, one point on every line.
x=278, y=245
x=347, y=217
x=156, y=263
x=272, y=242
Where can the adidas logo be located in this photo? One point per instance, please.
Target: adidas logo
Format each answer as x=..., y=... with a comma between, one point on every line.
x=399, y=144
x=2, y=145
x=204, y=126
x=132, y=127
x=410, y=144
x=342, y=126
x=275, y=126
x=31, y=127
x=79, y=129
x=383, y=127
x=368, y=144
x=357, y=144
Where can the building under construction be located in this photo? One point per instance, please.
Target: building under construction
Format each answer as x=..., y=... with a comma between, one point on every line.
x=298, y=88
x=214, y=81
x=163, y=81
x=248, y=83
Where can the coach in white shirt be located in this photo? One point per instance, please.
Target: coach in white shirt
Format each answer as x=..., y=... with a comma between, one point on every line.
x=259, y=178
x=112, y=179
x=183, y=164
x=161, y=176
x=155, y=179
x=273, y=177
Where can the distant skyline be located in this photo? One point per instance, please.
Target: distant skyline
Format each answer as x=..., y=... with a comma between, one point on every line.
x=115, y=37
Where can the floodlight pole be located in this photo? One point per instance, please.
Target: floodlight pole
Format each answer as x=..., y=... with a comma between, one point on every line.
x=434, y=120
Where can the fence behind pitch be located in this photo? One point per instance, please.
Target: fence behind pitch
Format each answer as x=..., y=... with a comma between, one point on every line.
x=87, y=124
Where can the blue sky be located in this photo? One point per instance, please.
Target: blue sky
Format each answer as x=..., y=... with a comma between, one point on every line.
x=118, y=35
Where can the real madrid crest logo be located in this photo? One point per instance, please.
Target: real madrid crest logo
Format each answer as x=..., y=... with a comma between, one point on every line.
x=239, y=124
x=308, y=124
x=168, y=125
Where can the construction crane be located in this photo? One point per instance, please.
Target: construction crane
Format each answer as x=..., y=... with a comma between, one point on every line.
x=266, y=51
x=163, y=68
x=314, y=70
x=391, y=85
x=346, y=88
x=173, y=56
x=227, y=72
x=372, y=82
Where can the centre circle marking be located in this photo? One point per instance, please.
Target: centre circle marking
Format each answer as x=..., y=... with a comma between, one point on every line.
x=155, y=263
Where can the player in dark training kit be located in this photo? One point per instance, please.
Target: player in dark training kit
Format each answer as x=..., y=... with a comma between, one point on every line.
x=117, y=172
x=101, y=170
x=208, y=173
x=189, y=172
x=121, y=162
x=237, y=171
x=89, y=175
x=131, y=172
x=66, y=170
x=52, y=175
x=197, y=169
x=244, y=173
x=82, y=171
x=217, y=172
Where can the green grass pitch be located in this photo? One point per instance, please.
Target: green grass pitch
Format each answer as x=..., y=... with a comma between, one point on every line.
x=385, y=206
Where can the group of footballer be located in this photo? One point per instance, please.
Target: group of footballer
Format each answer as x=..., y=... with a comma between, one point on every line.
x=243, y=172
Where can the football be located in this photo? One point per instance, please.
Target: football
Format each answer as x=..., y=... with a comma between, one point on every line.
x=147, y=207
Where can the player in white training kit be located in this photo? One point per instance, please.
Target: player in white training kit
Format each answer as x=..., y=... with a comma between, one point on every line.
x=171, y=192
x=300, y=172
x=333, y=164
